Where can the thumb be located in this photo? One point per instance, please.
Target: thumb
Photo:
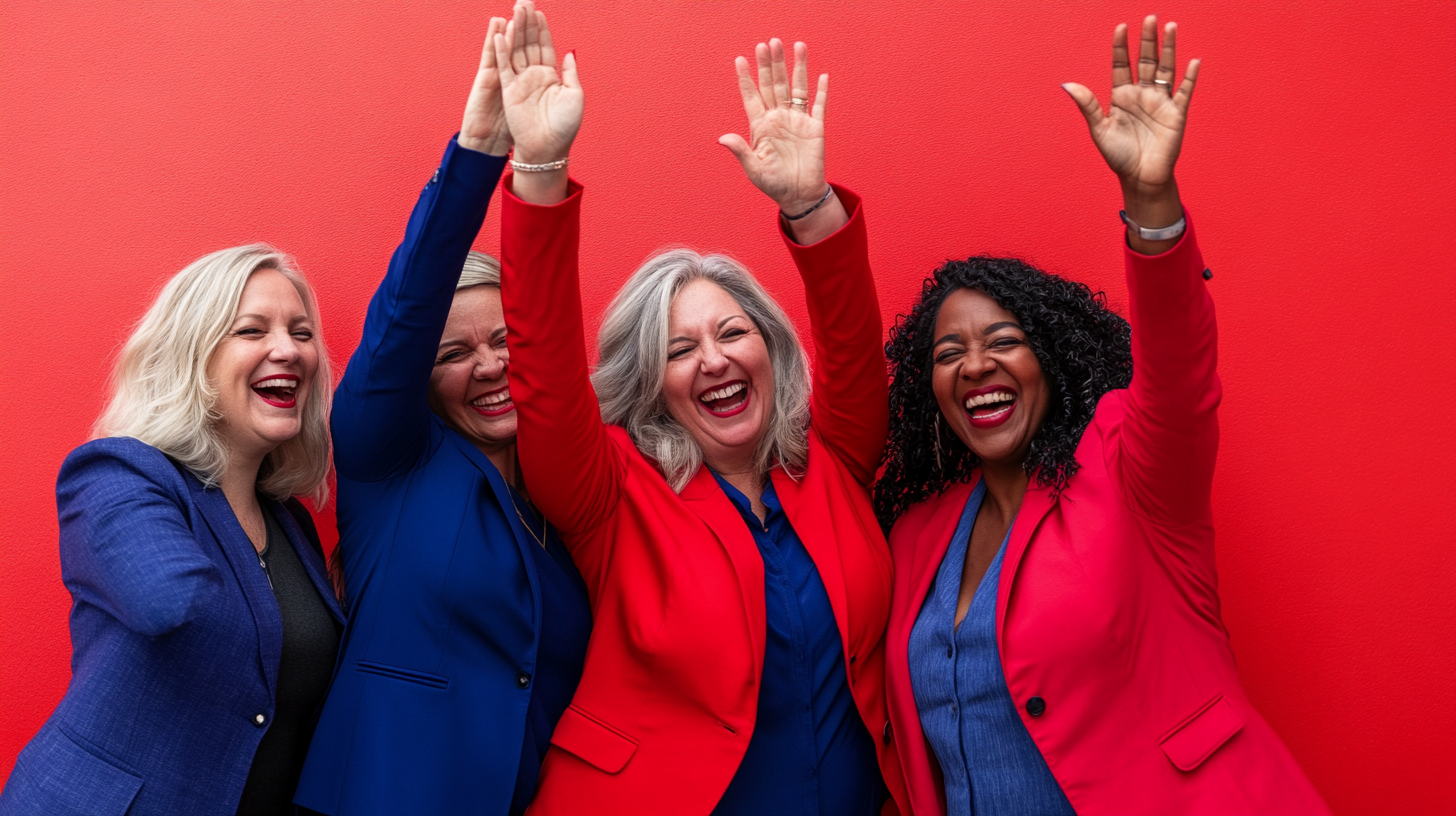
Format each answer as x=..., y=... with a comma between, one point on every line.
x=737, y=146
x=1086, y=102
x=568, y=71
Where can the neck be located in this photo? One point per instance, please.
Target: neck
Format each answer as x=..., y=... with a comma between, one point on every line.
x=741, y=474
x=505, y=461
x=239, y=482
x=1006, y=485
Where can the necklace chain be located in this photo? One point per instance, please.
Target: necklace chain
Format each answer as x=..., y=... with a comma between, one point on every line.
x=529, y=531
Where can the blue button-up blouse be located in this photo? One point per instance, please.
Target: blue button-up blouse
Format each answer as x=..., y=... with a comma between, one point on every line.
x=810, y=752
x=989, y=761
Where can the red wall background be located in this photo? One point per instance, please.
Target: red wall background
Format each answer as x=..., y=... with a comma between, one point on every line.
x=1320, y=163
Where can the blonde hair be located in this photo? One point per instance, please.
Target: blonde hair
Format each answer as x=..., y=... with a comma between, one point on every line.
x=161, y=394
x=633, y=364
x=480, y=270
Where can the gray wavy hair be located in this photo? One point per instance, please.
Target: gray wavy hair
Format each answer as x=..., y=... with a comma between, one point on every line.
x=633, y=363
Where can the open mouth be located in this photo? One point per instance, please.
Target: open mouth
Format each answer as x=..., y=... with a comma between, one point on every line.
x=279, y=391
x=494, y=404
x=725, y=400
x=990, y=407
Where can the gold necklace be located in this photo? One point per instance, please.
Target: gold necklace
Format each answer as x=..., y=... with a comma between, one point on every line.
x=529, y=531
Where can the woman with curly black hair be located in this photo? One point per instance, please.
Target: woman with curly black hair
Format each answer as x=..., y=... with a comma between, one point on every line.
x=1054, y=643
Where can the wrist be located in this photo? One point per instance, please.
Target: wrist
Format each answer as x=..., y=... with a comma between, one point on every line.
x=1152, y=206
x=799, y=205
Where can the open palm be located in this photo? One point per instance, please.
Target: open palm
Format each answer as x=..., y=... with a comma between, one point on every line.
x=784, y=153
x=543, y=108
x=1141, y=134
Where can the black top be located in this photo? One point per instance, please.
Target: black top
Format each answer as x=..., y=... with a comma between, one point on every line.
x=310, y=645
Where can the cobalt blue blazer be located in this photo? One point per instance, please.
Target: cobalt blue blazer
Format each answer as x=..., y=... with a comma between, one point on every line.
x=176, y=639
x=429, y=711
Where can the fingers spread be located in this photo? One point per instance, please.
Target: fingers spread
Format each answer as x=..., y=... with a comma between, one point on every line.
x=780, y=72
x=800, y=89
x=765, y=75
x=1185, y=91
x=1121, y=69
x=1148, y=50
x=752, y=102
x=821, y=99
x=1168, y=58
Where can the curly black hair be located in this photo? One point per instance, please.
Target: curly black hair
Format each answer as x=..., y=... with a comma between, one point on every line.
x=1085, y=350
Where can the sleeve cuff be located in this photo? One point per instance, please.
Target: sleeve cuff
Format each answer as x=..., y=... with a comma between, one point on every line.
x=573, y=194
x=461, y=164
x=1179, y=253
x=842, y=239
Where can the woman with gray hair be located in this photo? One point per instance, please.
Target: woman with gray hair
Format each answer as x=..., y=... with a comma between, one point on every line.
x=467, y=620
x=203, y=625
x=718, y=505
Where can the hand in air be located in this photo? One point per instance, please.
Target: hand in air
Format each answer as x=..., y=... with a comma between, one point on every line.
x=484, y=128
x=542, y=107
x=1141, y=134
x=784, y=153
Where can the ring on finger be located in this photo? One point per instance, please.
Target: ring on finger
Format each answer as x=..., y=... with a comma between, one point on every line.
x=801, y=104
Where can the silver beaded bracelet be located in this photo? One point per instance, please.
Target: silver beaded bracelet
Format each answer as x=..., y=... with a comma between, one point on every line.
x=523, y=167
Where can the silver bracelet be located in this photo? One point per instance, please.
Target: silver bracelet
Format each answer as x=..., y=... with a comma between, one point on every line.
x=827, y=194
x=1167, y=233
x=522, y=167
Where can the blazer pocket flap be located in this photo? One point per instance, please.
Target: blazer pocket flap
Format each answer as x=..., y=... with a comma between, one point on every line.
x=1196, y=738
x=593, y=741
x=70, y=779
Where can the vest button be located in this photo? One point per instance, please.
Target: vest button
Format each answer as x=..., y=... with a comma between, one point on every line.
x=523, y=680
x=1036, y=706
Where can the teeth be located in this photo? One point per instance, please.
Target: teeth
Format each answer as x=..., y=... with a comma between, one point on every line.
x=987, y=399
x=722, y=393
x=493, y=399
x=277, y=382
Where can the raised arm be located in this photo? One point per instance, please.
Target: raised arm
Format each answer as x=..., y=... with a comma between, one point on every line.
x=572, y=470
x=381, y=413
x=824, y=229
x=1169, y=439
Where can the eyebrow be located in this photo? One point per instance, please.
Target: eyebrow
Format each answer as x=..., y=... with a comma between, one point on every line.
x=955, y=337
x=721, y=324
x=264, y=318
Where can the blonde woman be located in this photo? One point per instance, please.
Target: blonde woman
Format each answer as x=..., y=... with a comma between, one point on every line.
x=203, y=625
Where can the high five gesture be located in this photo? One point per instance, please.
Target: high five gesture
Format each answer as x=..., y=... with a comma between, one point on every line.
x=784, y=153
x=1141, y=134
x=542, y=107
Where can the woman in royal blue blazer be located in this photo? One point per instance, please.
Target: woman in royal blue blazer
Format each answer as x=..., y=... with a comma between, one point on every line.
x=467, y=622
x=203, y=626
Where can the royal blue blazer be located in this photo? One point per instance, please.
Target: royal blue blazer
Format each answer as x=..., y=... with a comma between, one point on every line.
x=176, y=639
x=431, y=703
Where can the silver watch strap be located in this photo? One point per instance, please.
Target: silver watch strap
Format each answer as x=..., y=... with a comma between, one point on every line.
x=1167, y=233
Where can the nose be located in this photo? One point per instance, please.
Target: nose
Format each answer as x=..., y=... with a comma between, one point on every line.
x=285, y=347
x=977, y=364
x=490, y=363
x=713, y=362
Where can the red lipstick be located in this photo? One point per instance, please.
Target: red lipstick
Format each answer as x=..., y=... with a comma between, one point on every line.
x=992, y=414
x=282, y=393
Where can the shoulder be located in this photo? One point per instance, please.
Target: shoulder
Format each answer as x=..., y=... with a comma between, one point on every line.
x=120, y=462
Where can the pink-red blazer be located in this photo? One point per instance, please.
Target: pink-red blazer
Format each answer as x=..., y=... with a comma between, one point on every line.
x=1107, y=607
x=667, y=700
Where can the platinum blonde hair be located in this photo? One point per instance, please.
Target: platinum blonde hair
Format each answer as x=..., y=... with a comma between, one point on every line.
x=480, y=270
x=633, y=345
x=161, y=394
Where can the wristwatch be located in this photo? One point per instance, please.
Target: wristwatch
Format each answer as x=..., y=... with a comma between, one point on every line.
x=1167, y=233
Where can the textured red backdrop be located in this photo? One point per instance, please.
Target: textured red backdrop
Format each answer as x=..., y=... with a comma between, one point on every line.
x=1320, y=161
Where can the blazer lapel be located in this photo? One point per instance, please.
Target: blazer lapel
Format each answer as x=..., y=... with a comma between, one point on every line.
x=244, y=560
x=935, y=541
x=506, y=505
x=707, y=501
x=1034, y=507
x=312, y=564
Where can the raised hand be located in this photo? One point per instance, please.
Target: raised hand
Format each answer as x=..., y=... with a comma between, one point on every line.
x=784, y=153
x=543, y=108
x=484, y=127
x=1141, y=134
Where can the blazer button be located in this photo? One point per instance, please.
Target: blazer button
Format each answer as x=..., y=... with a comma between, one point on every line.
x=260, y=719
x=1035, y=706
x=888, y=734
x=1207, y=274
x=523, y=680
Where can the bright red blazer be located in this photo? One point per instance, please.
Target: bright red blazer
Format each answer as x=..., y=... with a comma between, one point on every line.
x=667, y=700
x=1107, y=607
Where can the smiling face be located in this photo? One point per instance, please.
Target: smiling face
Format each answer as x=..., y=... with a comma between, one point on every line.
x=468, y=385
x=986, y=379
x=719, y=383
x=264, y=366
